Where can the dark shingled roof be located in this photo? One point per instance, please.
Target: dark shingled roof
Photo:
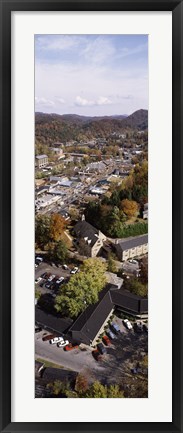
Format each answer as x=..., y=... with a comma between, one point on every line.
x=90, y=321
x=126, y=244
x=130, y=301
x=54, y=323
x=83, y=229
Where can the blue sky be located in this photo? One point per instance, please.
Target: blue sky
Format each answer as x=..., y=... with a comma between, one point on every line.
x=91, y=74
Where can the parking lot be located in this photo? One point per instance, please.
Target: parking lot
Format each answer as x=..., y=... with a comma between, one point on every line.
x=51, y=270
x=122, y=356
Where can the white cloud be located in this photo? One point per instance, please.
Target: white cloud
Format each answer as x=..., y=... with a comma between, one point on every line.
x=82, y=102
x=102, y=100
x=43, y=102
x=57, y=42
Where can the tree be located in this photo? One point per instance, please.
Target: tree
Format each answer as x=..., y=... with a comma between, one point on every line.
x=136, y=287
x=81, y=384
x=129, y=207
x=58, y=251
x=57, y=226
x=97, y=390
x=42, y=230
x=111, y=267
x=82, y=289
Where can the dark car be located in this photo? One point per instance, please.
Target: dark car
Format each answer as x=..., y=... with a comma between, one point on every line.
x=110, y=334
x=138, y=327
x=96, y=354
x=38, y=329
x=48, y=337
x=101, y=348
x=42, y=283
x=44, y=275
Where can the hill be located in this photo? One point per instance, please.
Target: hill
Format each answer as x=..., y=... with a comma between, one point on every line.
x=55, y=127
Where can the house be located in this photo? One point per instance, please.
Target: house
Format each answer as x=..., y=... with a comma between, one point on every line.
x=91, y=322
x=92, y=238
x=131, y=247
x=41, y=160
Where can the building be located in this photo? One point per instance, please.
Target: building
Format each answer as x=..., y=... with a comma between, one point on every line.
x=131, y=247
x=92, y=238
x=41, y=160
x=91, y=323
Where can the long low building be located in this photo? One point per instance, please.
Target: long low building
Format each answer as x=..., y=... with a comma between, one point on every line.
x=90, y=324
x=131, y=247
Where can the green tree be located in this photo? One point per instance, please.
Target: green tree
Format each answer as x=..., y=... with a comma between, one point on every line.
x=58, y=251
x=136, y=287
x=97, y=390
x=111, y=265
x=82, y=289
x=42, y=230
x=81, y=384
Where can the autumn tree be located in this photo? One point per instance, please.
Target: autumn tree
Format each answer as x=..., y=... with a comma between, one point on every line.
x=81, y=384
x=129, y=207
x=57, y=226
x=82, y=289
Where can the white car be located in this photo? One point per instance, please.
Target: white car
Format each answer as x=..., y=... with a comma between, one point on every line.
x=36, y=266
x=127, y=324
x=133, y=261
x=51, y=278
x=63, y=343
x=65, y=267
x=38, y=280
x=74, y=270
x=60, y=280
x=56, y=340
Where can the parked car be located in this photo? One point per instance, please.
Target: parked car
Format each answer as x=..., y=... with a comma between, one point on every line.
x=138, y=327
x=51, y=278
x=36, y=265
x=63, y=343
x=133, y=261
x=106, y=340
x=110, y=334
x=101, y=348
x=44, y=275
x=42, y=283
x=38, y=329
x=39, y=259
x=56, y=340
x=96, y=354
x=127, y=324
x=115, y=328
x=65, y=267
x=38, y=280
x=48, y=337
x=74, y=270
x=60, y=280
x=48, y=285
x=71, y=346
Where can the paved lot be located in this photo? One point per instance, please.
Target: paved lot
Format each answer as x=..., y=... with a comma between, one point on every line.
x=124, y=353
x=75, y=359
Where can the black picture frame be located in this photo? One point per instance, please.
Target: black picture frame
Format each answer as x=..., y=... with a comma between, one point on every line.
x=6, y=7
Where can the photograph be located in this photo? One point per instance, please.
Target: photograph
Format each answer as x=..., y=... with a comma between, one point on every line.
x=91, y=215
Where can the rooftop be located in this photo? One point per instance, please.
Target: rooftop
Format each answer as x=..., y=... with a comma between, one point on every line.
x=132, y=242
x=41, y=156
x=85, y=230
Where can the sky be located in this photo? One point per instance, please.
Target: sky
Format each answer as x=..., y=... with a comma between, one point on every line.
x=91, y=75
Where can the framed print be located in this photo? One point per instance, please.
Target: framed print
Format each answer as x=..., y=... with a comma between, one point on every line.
x=91, y=216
